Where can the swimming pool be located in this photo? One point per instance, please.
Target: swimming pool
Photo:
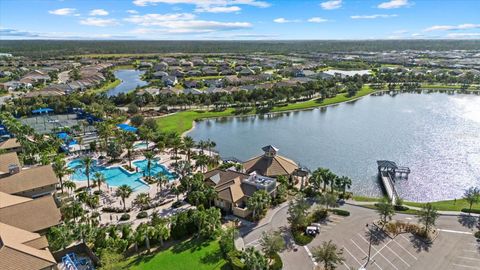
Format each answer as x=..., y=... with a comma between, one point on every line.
x=117, y=176
x=142, y=145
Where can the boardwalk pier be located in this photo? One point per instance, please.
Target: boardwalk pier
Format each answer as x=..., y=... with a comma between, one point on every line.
x=389, y=172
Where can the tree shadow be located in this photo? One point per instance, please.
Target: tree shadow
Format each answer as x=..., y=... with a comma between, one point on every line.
x=467, y=221
x=376, y=235
x=192, y=245
x=212, y=257
x=420, y=244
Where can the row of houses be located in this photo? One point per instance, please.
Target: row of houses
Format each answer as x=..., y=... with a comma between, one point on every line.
x=27, y=210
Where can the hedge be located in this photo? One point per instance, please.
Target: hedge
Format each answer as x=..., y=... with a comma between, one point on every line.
x=277, y=263
x=125, y=217
x=477, y=234
x=301, y=238
x=467, y=210
x=142, y=214
x=341, y=212
x=400, y=208
x=234, y=259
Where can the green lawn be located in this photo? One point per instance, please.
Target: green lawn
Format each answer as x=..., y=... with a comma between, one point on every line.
x=450, y=205
x=190, y=254
x=105, y=87
x=183, y=121
x=366, y=199
x=328, y=101
x=408, y=212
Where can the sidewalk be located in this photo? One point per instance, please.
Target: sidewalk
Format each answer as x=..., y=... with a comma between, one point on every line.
x=444, y=213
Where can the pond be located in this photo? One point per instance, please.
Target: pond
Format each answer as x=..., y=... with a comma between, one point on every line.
x=130, y=78
x=436, y=135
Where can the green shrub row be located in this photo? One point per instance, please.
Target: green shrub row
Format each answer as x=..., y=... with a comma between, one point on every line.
x=301, y=238
x=341, y=212
x=475, y=211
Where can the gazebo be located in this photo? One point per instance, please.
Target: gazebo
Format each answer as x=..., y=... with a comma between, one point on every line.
x=270, y=164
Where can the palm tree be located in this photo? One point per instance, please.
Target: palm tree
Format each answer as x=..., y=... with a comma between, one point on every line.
x=316, y=179
x=176, y=144
x=87, y=163
x=472, y=196
x=188, y=143
x=161, y=232
x=329, y=200
x=149, y=157
x=124, y=191
x=427, y=216
x=259, y=201
x=385, y=210
x=129, y=147
x=201, y=162
x=254, y=260
x=328, y=254
x=61, y=170
x=162, y=179
x=343, y=183
x=99, y=179
x=142, y=200
x=70, y=185
x=175, y=190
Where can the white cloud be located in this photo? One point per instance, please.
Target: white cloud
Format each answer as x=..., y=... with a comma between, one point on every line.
x=463, y=35
x=98, y=12
x=132, y=11
x=394, y=4
x=317, y=20
x=159, y=19
x=283, y=20
x=400, y=32
x=375, y=16
x=465, y=26
x=63, y=11
x=99, y=22
x=200, y=3
x=332, y=4
x=218, y=9
x=180, y=23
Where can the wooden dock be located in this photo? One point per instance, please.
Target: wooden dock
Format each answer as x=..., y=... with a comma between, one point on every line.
x=388, y=172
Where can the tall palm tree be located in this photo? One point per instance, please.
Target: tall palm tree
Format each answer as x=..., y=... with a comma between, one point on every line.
x=99, y=179
x=188, y=143
x=129, y=147
x=124, y=191
x=149, y=157
x=343, y=183
x=161, y=231
x=70, y=185
x=176, y=144
x=162, y=179
x=87, y=162
x=142, y=200
x=61, y=169
x=328, y=254
x=259, y=201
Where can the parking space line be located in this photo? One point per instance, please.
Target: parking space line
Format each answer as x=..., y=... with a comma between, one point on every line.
x=378, y=253
x=452, y=231
x=366, y=254
x=310, y=255
x=348, y=251
x=470, y=250
x=466, y=266
x=346, y=266
x=405, y=250
x=388, y=249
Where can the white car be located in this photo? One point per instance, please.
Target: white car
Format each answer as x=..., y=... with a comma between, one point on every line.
x=313, y=229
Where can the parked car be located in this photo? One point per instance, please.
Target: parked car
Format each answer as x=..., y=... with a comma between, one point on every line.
x=313, y=229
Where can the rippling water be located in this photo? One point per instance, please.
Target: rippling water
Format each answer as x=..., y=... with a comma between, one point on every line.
x=131, y=78
x=436, y=135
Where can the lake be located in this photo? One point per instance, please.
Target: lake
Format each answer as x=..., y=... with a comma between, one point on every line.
x=130, y=78
x=436, y=135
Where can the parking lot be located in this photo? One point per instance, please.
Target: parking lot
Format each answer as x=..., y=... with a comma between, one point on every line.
x=454, y=248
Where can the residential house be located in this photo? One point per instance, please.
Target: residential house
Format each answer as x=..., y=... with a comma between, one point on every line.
x=169, y=80
x=10, y=145
x=21, y=249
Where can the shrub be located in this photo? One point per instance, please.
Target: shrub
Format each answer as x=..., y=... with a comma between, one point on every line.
x=125, y=217
x=98, y=192
x=142, y=214
x=234, y=259
x=301, y=238
x=111, y=209
x=277, y=263
x=341, y=212
x=320, y=214
x=177, y=204
x=400, y=208
x=475, y=211
x=477, y=234
x=95, y=214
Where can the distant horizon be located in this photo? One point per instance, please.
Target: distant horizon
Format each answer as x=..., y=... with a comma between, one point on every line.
x=239, y=20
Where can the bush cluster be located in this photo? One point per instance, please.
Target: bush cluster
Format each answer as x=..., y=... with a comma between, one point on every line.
x=341, y=212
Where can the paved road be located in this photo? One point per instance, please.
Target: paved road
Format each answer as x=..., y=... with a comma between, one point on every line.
x=454, y=248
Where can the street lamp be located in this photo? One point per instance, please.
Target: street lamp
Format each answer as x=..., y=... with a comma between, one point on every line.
x=369, y=250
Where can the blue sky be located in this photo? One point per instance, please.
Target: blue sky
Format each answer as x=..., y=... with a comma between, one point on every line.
x=239, y=19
